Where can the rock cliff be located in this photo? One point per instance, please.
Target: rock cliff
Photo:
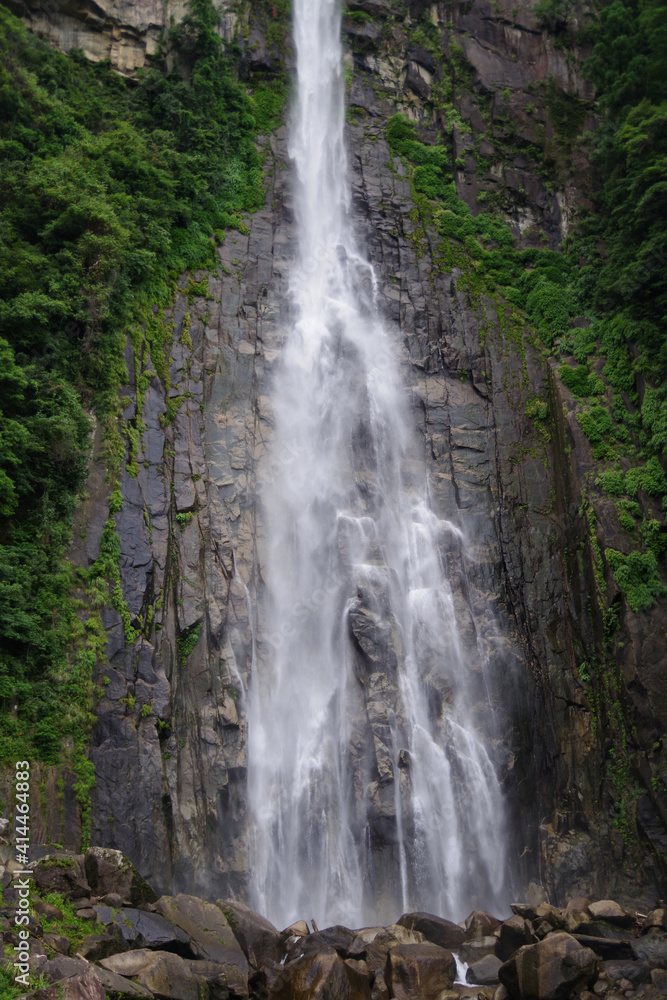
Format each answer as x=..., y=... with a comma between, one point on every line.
x=169, y=743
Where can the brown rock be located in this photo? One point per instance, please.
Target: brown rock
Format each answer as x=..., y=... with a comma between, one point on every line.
x=422, y=970
x=437, y=930
x=657, y=919
x=97, y=946
x=258, y=938
x=549, y=970
x=512, y=935
x=480, y=924
x=484, y=973
x=324, y=976
x=57, y=942
x=211, y=937
x=611, y=912
x=85, y=986
x=299, y=929
x=477, y=949
x=659, y=979
x=110, y=872
x=46, y=910
x=63, y=874
x=158, y=971
x=120, y=988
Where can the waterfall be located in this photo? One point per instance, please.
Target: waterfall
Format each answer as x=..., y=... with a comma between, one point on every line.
x=370, y=790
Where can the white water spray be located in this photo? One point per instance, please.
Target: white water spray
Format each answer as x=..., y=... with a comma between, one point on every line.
x=370, y=793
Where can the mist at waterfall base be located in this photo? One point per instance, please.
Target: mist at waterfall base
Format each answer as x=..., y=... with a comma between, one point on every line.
x=370, y=792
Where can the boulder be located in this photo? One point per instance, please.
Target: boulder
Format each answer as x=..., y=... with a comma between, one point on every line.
x=436, y=930
x=607, y=948
x=85, y=986
x=512, y=935
x=524, y=910
x=338, y=938
x=158, y=971
x=219, y=982
x=423, y=970
x=259, y=940
x=110, y=871
x=551, y=915
x=142, y=929
x=299, y=929
x=480, y=924
x=97, y=946
x=477, y=949
x=46, y=910
x=550, y=970
x=655, y=919
x=485, y=972
x=372, y=944
x=323, y=976
x=635, y=972
x=61, y=967
x=379, y=989
x=211, y=937
x=659, y=980
x=120, y=988
x=611, y=913
x=57, y=942
x=63, y=874
x=652, y=947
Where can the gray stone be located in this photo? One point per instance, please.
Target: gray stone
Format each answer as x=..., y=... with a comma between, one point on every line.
x=484, y=972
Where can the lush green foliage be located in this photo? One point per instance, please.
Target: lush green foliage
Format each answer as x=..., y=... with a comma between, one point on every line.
x=108, y=191
x=535, y=280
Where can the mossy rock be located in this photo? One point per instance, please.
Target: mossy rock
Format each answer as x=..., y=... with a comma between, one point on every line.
x=63, y=874
x=110, y=871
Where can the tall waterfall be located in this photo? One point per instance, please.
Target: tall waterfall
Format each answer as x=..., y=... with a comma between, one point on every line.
x=370, y=792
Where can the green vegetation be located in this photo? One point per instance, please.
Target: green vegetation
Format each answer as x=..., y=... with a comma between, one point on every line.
x=109, y=190
x=188, y=640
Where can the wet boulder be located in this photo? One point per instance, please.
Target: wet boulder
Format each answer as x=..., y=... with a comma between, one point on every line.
x=611, y=913
x=485, y=972
x=142, y=929
x=436, y=930
x=477, y=949
x=211, y=938
x=322, y=976
x=160, y=972
x=550, y=970
x=110, y=871
x=422, y=970
x=372, y=944
x=259, y=940
x=480, y=924
x=512, y=935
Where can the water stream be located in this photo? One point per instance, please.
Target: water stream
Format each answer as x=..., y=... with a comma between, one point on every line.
x=370, y=791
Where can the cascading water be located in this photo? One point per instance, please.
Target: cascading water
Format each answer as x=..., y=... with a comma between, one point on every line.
x=370, y=792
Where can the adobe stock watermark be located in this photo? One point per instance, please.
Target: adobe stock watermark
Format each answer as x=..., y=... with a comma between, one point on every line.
x=22, y=878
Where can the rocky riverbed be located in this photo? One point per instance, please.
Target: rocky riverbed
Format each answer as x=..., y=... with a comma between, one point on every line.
x=99, y=930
